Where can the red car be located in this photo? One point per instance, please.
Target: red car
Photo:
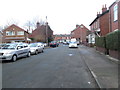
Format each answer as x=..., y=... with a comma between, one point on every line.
x=54, y=44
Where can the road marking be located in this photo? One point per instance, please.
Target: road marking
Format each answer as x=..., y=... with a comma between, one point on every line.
x=93, y=74
x=89, y=82
x=70, y=54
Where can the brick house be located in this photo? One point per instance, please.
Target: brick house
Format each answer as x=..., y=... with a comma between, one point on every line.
x=40, y=34
x=14, y=33
x=114, y=16
x=100, y=25
x=80, y=33
x=62, y=37
x=1, y=35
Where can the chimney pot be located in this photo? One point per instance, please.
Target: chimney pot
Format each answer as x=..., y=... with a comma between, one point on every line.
x=77, y=25
x=104, y=8
x=38, y=24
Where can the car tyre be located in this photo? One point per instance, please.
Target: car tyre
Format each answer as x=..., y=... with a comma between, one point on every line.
x=14, y=58
x=36, y=52
x=42, y=51
x=29, y=54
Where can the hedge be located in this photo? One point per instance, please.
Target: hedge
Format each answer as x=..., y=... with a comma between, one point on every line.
x=113, y=40
x=100, y=42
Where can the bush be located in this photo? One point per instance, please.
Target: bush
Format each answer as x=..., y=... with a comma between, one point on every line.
x=113, y=40
x=100, y=42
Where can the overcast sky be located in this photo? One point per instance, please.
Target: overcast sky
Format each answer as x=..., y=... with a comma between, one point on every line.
x=62, y=15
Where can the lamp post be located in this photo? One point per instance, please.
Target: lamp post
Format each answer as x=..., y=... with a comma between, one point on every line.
x=81, y=33
x=46, y=31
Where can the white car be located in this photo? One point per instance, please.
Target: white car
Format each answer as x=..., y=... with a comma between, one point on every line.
x=35, y=48
x=12, y=51
x=73, y=44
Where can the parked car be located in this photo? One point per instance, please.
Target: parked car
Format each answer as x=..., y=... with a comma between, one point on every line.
x=2, y=45
x=73, y=44
x=13, y=51
x=35, y=48
x=41, y=44
x=54, y=44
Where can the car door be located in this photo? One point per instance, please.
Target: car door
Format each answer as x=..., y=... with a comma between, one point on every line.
x=19, y=51
x=25, y=50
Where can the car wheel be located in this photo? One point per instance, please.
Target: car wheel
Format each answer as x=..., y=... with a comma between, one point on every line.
x=29, y=54
x=42, y=51
x=14, y=58
x=36, y=52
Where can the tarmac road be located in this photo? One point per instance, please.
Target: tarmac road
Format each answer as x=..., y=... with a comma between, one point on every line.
x=60, y=67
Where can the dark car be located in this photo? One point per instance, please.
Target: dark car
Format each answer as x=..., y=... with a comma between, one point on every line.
x=54, y=44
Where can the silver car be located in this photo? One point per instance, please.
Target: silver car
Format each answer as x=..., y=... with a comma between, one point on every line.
x=13, y=51
x=35, y=48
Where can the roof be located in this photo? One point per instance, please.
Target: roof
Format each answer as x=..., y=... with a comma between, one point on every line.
x=99, y=16
x=13, y=25
x=112, y=4
x=62, y=35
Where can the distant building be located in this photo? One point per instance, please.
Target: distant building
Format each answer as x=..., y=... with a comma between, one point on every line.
x=14, y=33
x=80, y=33
x=62, y=37
x=41, y=33
x=1, y=35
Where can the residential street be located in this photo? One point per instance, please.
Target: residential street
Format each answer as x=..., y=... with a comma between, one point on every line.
x=61, y=67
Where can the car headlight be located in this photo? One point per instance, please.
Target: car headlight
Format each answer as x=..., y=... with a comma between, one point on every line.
x=8, y=53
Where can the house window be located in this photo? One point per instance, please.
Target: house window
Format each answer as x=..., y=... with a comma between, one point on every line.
x=115, y=12
x=10, y=33
x=20, y=33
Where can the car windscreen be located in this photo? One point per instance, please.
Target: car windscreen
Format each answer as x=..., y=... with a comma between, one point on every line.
x=73, y=42
x=9, y=46
x=33, y=45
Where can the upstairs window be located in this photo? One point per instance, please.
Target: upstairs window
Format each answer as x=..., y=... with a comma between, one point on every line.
x=10, y=33
x=20, y=33
x=115, y=12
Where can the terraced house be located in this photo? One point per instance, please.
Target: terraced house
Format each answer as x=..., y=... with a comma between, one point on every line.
x=14, y=33
x=105, y=22
x=100, y=25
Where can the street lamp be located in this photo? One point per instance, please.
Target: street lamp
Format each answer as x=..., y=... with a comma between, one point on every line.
x=46, y=31
x=81, y=32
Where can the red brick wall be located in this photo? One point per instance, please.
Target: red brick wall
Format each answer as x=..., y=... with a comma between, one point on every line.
x=80, y=33
x=104, y=24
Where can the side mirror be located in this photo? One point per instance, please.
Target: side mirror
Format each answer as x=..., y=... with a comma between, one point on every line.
x=18, y=48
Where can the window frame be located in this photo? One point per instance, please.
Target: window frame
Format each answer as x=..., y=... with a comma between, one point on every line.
x=18, y=33
x=115, y=12
x=8, y=33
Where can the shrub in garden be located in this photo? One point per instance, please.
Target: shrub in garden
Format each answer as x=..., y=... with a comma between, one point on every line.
x=100, y=42
x=113, y=40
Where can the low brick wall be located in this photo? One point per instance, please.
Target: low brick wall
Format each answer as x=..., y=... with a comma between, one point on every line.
x=103, y=50
x=114, y=54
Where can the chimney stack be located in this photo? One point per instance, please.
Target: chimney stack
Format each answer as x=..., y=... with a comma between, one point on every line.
x=104, y=8
x=98, y=14
x=77, y=25
x=38, y=24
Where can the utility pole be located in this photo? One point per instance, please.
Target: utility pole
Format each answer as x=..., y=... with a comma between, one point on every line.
x=81, y=33
x=46, y=31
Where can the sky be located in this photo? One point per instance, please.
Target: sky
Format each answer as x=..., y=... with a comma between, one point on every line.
x=62, y=15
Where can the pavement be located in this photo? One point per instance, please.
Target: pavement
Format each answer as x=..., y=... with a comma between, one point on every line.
x=103, y=68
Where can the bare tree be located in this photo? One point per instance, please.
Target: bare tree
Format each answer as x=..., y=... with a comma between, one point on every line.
x=10, y=22
x=31, y=24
